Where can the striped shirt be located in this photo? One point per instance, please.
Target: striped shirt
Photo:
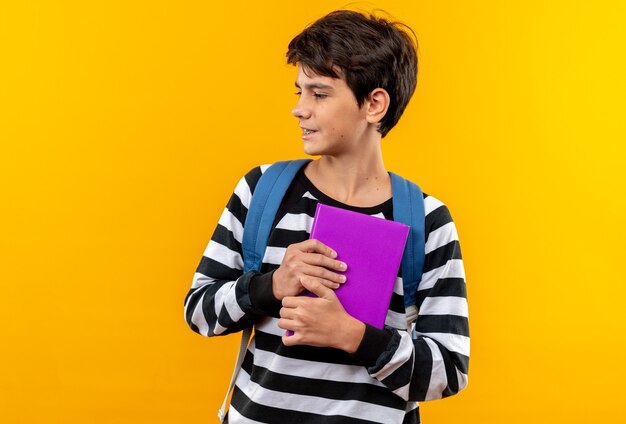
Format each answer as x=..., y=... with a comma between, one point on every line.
x=392, y=369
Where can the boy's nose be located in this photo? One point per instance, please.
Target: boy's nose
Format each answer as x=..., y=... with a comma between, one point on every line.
x=301, y=112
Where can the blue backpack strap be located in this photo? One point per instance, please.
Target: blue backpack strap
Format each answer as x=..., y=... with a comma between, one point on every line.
x=268, y=194
x=408, y=208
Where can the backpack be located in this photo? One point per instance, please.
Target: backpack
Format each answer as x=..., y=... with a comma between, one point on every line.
x=408, y=208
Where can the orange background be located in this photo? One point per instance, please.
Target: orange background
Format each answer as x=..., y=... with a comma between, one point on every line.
x=124, y=127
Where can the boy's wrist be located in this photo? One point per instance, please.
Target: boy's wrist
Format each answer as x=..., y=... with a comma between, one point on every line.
x=354, y=331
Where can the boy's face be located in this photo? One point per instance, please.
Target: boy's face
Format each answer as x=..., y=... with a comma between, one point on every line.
x=332, y=123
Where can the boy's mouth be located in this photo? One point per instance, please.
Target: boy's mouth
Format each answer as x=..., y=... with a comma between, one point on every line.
x=306, y=131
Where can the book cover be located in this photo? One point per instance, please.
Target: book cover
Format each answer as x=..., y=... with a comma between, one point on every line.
x=372, y=247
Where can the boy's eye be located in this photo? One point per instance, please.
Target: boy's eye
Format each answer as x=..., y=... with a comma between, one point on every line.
x=316, y=95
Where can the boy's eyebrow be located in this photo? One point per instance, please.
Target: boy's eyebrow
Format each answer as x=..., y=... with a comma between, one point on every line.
x=315, y=86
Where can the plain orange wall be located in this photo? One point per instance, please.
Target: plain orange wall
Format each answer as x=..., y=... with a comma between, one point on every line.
x=124, y=127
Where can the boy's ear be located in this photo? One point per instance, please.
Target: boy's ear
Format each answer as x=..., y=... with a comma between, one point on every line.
x=377, y=104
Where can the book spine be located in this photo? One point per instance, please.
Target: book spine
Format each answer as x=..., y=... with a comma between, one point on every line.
x=315, y=219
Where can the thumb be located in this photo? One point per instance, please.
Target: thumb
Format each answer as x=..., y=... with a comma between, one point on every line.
x=318, y=288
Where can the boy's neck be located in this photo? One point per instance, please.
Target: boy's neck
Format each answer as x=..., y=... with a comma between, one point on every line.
x=359, y=180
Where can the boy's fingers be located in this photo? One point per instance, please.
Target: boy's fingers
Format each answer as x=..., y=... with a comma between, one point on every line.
x=324, y=261
x=312, y=245
x=326, y=283
x=285, y=324
x=317, y=288
x=290, y=340
x=330, y=284
x=287, y=313
x=293, y=301
x=326, y=277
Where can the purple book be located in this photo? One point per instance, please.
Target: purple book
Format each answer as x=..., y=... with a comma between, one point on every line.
x=372, y=247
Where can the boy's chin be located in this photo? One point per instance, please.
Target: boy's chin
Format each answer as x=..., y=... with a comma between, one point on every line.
x=312, y=150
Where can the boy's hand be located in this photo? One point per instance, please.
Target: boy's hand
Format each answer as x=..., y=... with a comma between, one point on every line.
x=310, y=258
x=320, y=321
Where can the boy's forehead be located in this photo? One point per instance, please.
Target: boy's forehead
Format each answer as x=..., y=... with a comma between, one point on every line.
x=309, y=77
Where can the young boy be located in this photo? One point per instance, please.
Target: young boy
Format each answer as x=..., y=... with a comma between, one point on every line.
x=356, y=74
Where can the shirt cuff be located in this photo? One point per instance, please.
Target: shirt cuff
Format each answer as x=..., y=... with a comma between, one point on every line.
x=375, y=345
x=262, y=296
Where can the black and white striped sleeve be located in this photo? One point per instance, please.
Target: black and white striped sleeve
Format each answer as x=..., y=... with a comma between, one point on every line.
x=218, y=302
x=432, y=363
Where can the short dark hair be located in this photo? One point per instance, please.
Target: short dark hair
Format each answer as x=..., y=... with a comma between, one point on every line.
x=369, y=52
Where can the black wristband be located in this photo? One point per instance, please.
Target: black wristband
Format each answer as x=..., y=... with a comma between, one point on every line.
x=375, y=343
x=262, y=296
